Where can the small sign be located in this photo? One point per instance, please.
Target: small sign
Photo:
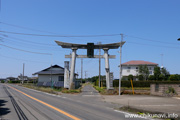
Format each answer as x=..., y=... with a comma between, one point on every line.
x=111, y=79
x=90, y=50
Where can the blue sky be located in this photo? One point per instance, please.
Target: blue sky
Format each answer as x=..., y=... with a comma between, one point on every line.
x=150, y=28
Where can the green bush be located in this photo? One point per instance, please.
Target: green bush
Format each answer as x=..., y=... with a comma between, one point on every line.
x=140, y=77
x=175, y=77
x=161, y=77
x=2, y=81
x=97, y=83
x=99, y=89
x=142, y=83
x=14, y=81
x=124, y=78
x=151, y=77
x=170, y=90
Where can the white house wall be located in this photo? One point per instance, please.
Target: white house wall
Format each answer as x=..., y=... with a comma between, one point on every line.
x=47, y=78
x=133, y=71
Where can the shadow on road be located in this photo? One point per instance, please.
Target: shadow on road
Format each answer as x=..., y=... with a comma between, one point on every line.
x=3, y=111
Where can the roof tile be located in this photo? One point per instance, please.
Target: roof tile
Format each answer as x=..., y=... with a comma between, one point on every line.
x=139, y=62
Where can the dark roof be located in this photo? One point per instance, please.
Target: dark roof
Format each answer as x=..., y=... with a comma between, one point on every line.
x=139, y=62
x=10, y=78
x=53, y=72
x=54, y=66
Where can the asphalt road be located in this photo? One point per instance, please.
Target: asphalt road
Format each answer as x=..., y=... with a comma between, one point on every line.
x=19, y=103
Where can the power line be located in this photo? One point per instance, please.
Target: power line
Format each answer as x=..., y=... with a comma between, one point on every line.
x=150, y=40
x=19, y=39
x=25, y=50
x=17, y=43
x=17, y=26
x=21, y=59
x=27, y=46
x=30, y=34
x=153, y=45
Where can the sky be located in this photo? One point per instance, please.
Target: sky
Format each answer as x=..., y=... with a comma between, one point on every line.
x=149, y=27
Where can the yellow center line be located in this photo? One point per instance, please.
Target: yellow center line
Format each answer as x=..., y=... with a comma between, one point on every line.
x=57, y=109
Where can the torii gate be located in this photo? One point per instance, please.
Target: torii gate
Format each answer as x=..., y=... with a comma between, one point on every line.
x=106, y=56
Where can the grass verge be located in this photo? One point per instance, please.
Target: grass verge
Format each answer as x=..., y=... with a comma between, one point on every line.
x=124, y=90
x=51, y=90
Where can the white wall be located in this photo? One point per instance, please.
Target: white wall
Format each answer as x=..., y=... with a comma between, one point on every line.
x=47, y=78
x=134, y=71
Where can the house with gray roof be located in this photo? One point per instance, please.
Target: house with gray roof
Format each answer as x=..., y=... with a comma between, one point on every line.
x=51, y=76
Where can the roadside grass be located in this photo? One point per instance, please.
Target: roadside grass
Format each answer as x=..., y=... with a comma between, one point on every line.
x=101, y=90
x=135, y=88
x=124, y=90
x=71, y=91
x=51, y=90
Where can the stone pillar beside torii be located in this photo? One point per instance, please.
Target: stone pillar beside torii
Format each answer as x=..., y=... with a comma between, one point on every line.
x=106, y=56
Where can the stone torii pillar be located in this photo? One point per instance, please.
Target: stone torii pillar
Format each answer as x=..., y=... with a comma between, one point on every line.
x=73, y=61
x=106, y=57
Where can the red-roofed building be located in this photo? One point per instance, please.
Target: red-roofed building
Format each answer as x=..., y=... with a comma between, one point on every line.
x=132, y=67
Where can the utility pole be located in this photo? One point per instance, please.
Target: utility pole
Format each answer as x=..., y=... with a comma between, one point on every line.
x=85, y=74
x=120, y=67
x=81, y=70
x=51, y=72
x=161, y=60
x=23, y=74
x=99, y=66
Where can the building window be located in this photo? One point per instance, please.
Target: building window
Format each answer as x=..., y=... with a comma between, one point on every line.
x=156, y=87
x=128, y=69
x=61, y=78
x=150, y=72
x=149, y=68
x=137, y=69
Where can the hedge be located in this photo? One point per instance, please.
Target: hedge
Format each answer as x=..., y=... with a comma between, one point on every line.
x=142, y=83
x=15, y=81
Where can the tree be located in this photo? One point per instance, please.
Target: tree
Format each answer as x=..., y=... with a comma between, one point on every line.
x=151, y=77
x=140, y=77
x=130, y=77
x=161, y=77
x=175, y=77
x=144, y=71
x=157, y=72
x=165, y=73
x=124, y=78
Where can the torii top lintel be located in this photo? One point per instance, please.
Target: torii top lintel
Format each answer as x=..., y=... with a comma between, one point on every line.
x=84, y=46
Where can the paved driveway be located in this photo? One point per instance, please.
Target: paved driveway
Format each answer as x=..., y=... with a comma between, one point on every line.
x=145, y=102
